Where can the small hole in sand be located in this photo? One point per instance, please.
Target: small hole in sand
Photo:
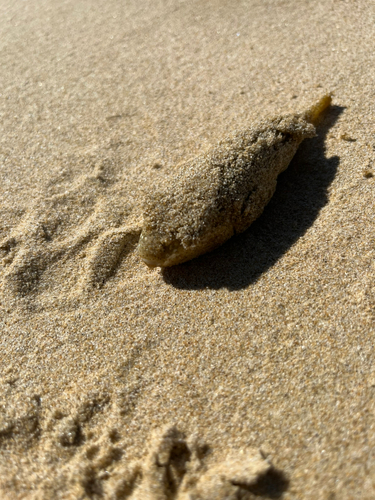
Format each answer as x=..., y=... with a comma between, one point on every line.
x=92, y=452
x=114, y=436
x=368, y=174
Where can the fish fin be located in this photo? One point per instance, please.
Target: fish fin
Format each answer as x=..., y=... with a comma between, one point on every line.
x=312, y=114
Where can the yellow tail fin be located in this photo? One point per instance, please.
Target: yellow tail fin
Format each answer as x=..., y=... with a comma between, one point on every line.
x=312, y=114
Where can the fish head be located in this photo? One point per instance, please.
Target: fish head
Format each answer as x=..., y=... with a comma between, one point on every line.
x=158, y=251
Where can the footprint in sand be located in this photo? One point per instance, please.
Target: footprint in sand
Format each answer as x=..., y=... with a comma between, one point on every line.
x=89, y=219
x=175, y=469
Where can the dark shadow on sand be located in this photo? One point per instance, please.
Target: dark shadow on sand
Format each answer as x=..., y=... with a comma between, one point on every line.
x=272, y=485
x=300, y=195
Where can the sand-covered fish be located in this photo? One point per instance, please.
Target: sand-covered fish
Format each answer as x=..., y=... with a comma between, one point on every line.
x=221, y=192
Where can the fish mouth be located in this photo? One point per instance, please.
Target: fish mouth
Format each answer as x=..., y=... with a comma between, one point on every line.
x=157, y=254
x=152, y=263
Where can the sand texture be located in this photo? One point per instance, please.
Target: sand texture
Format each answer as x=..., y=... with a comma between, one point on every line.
x=246, y=373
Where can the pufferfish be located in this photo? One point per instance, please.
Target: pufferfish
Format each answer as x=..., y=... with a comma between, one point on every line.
x=220, y=193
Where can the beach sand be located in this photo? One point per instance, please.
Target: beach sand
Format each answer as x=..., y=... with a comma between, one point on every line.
x=245, y=373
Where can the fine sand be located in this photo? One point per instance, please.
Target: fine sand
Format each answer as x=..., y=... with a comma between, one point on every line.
x=247, y=373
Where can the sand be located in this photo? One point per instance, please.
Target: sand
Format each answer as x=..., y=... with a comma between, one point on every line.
x=245, y=373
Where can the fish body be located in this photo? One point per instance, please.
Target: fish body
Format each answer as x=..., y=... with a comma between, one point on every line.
x=220, y=193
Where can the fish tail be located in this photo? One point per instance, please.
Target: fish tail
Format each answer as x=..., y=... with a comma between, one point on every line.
x=312, y=114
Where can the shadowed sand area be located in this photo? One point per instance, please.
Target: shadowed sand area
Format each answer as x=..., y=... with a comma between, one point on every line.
x=246, y=373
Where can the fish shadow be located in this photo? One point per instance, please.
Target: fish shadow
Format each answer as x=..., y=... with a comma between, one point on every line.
x=270, y=485
x=302, y=191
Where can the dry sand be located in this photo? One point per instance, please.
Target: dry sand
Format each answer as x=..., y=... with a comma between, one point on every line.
x=246, y=373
